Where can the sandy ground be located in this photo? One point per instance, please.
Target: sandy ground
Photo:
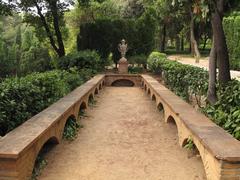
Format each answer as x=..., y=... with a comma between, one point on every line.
x=123, y=138
x=203, y=63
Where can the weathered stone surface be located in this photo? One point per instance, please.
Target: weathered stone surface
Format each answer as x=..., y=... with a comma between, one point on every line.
x=123, y=66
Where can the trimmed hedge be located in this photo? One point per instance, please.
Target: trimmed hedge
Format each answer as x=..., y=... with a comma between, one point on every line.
x=231, y=26
x=82, y=59
x=22, y=98
x=185, y=80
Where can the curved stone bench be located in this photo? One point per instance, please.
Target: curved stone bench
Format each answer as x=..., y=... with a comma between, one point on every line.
x=219, y=151
x=20, y=147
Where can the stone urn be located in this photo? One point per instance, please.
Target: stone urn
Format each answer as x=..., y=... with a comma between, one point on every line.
x=123, y=63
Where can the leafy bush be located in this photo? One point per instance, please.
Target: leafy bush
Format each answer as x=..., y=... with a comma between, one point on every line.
x=135, y=70
x=187, y=80
x=184, y=80
x=154, y=60
x=71, y=129
x=22, y=98
x=226, y=112
x=138, y=59
x=231, y=26
x=81, y=60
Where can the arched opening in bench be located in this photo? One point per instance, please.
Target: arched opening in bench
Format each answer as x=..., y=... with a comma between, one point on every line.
x=103, y=83
x=145, y=87
x=171, y=120
x=149, y=91
x=91, y=99
x=154, y=98
x=161, y=109
x=123, y=83
x=82, y=109
x=96, y=91
x=100, y=86
x=142, y=83
x=70, y=128
x=40, y=161
x=189, y=144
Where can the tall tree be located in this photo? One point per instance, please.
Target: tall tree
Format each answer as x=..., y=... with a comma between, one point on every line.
x=49, y=14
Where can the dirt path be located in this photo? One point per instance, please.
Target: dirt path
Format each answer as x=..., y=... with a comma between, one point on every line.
x=124, y=138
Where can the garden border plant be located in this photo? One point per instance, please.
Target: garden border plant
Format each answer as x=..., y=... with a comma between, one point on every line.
x=22, y=98
x=186, y=81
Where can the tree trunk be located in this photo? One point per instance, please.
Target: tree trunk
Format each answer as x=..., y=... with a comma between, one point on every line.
x=177, y=43
x=211, y=94
x=54, y=9
x=194, y=45
x=221, y=48
x=59, y=50
x=163, y=41
x=182, y=43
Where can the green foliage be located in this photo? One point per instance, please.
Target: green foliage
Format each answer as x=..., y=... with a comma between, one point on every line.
x=226, y=112
x=71, y=129
x=21, y=98
x=138, y=59
x=82, y=59
x=104, y=36
x=135, y=70
x=40, y=164
x=184, y=80
x=154, y=60
x=231, y=26
x=190, y=144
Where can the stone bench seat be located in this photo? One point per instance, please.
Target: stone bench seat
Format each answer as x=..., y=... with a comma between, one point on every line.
x=220, y=152
x=20, y=147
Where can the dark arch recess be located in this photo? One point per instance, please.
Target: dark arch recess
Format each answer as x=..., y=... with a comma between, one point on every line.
x=145, y=87
x=154, y=97
x=160, y=107
x=149, y=92
x=82, y=108
x=100, y=86
x=171, y=120
x=47, y=147
x=96, y=91
x=90, y=99
x=123, y=83
x=193, y=148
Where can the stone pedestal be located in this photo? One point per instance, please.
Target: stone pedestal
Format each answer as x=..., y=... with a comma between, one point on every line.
x=123, y=66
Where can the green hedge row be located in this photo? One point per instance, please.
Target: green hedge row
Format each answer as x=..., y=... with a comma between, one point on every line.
x=22, y=98
x=231, y=26
x=81, y=59
x=182, y=79
x=186, y=80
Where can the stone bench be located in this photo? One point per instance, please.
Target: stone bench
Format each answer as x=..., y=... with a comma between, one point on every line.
x=219, y=151
x=20, y=147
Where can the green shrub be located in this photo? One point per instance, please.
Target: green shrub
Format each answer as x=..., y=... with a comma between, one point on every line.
x=231, y=26
x=81, y=60
x=153, y=61
x=138, y=59
x=71, y=129
x=180, y=78
x=135, y=70
x=226, y=112
x=22, y=98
